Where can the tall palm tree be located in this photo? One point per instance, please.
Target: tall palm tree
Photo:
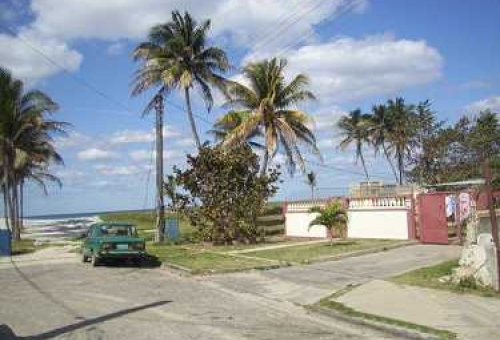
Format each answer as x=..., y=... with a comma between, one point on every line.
x=26, y=143
x=312, y=181
x=268, y=106
x=225, y=125
x=402, y=133
x=354, y=129
x=176, y=56
x=380, y=127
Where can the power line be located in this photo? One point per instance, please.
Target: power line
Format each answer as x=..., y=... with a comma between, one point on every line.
x=118, y=103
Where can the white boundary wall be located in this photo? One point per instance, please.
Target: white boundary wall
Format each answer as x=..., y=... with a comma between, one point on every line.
x=297, y=219
x=368, y=218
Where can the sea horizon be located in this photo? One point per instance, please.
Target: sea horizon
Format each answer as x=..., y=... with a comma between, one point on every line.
x=80, y=214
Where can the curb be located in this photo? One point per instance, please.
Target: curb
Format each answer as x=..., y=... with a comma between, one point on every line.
x=359, y=253
x=379, y=326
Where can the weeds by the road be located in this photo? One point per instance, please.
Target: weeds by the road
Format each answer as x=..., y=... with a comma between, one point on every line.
x=432, y=277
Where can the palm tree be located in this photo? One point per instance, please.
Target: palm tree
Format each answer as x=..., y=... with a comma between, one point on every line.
x=267, y=107
x=26, y=144
x=380, y=127
x=225, y=125
x=333, y=216
x=176, y=56
x=354, y=128
x=311, y=180
x=401, y=136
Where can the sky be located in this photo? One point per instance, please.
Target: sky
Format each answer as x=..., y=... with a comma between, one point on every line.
x=357, y=53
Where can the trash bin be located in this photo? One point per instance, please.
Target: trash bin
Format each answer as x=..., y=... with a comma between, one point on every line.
x=4, y=239
x=172, y=231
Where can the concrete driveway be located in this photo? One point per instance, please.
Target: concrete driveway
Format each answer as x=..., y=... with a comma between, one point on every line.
x=71, y=300
x=309, y=283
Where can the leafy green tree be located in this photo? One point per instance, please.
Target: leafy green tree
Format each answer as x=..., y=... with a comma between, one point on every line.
x=267, y=107
x=355, y=129
x=225, y=193
x=333, y=216
x=312, y=182
x=455, y=153
x=26, y=144
x=176, y=56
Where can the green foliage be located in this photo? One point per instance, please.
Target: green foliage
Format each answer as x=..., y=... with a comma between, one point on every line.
x=333, y=216
x=176, y=56
x=27, y=146
x=225, y=193
x=266, y=110
x=455, y=153
x=354, y=129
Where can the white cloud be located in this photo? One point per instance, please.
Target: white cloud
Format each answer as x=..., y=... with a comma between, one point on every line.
x=122, y=170
x=252, y=24
x=27, y=55
x=491, y=103
x=95, y=154
x=74, y=139
x=326, y=119
x=70, y=176
x=147, y=155
x=345, y=69
x=132, y=136
x=115, y=48
x=141, y=136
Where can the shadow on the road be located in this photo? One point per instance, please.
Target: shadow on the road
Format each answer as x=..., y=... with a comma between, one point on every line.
x=6, y=332
x=149, y=261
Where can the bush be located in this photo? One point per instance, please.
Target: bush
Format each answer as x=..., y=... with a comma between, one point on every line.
x=225, y=193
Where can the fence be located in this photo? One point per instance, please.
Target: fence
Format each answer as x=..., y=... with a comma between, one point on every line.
x=378, y=217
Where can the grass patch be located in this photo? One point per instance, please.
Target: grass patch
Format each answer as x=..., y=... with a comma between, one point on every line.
x=307, y=253
x=428, y=277
x=200, y=261
x=23, y=247
x=340, y=307
x=145, y=223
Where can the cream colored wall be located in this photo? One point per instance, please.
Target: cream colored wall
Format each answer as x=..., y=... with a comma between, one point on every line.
x=297, y=225
x=378, y=223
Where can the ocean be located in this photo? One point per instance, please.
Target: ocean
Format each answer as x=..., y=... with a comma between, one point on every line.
x=60, y=227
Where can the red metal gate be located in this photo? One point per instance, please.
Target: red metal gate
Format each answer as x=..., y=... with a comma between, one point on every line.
x=433, y=223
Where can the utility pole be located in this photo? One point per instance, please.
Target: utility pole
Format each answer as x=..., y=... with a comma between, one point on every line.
x=493, y=215
x=160, y=204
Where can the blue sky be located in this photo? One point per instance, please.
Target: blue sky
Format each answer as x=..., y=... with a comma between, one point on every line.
x=356, y=52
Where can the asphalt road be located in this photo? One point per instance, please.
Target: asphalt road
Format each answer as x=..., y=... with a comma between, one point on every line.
x=75, y=301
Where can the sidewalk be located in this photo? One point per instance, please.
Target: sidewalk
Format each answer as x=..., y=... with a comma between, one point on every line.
x=47, y=255
x=471, y=317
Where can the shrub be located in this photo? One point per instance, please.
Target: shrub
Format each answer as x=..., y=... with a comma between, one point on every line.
x=225, y=193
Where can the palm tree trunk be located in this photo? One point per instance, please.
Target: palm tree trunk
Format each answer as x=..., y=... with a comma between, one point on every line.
x=6, y=206
x=191, y=119
x=312, y=192
x=400, y=167
x=364, y=165
x=388, y=157
x=160, y=204
x=21, y=204
x=265, y=160
x=13, y=212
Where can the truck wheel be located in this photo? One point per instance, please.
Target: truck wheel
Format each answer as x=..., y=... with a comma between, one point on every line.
x=95, y=260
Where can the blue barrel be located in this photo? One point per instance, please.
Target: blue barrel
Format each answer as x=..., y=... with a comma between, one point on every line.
x=172, y=231
x=4, y=239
